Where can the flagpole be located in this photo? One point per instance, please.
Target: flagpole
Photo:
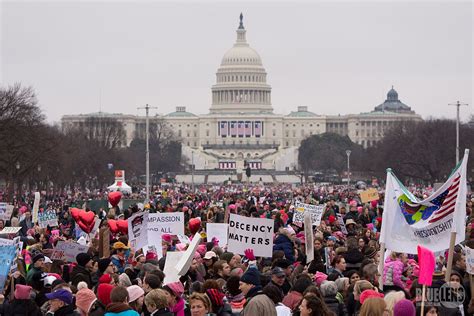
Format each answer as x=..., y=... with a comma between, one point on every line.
x=423, y=299
x=452, y=243
x=381, y=263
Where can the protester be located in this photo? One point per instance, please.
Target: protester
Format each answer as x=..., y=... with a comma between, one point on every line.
x=119, y=298
x=61, y=303
x=157, y=304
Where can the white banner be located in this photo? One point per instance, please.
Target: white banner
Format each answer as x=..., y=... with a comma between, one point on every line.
x=340, y=220
x=308, y=236
x=47, y=217
x=68, y=251
x=166, y=223
x=170, y=270
x=137, y=230
x=250, y=232
x=35, y=209
x=316, y=212
x=218, y=231
x=10, y=230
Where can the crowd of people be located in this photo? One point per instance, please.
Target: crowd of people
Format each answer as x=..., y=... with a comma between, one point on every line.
x=342, y=279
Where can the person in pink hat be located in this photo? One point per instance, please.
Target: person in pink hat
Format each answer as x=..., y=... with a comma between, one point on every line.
x=174, y=292
x=22, y=304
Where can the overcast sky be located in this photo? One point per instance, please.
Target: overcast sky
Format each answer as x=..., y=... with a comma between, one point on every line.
x=335, y=58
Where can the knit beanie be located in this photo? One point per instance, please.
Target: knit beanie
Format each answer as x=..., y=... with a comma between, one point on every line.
x=368, y=294
x=176, y=287
x=103, y=264
x=251, y=276
x=404, y=308
x=105, y=278
x=103, y=293
x=22, y=292
x=37, y=257
x=82, y=259
x=124, y=280
x=216, y=297
x=134, y=292
x=84, y=299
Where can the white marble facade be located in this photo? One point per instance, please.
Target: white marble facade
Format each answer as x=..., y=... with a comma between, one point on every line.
x=242, y=127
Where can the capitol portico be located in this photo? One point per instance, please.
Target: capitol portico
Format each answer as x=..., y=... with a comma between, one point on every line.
x=241, y=125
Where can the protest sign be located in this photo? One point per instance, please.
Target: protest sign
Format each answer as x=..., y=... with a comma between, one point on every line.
x=47, y=217
x=156, y=247
x=185, y=261
x=10, y=230
x=255, y=233
x=166, y=223
x=469, y=260
x=308, y=235
x=170, y=270
x=137, y=230
x=6, y=242
x=6, y=211
x=68, y=251
x=340, y=220
x=183, y=239
x=104, y=242
x=316, y=212
x=35, y=209
x=7, y=256
x=369, y=195
x=219, y=231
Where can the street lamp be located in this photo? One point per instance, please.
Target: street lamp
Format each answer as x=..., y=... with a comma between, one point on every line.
x=348, y=153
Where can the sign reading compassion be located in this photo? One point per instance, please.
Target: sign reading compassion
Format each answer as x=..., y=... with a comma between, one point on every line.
x=249, y=232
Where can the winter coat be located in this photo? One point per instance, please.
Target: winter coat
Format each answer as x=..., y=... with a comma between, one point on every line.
x=162, y=312
x=225, y=310
x=66, y=310
x=80, y=273
x=353, y=259
x=97, y=309
x=282, y=242
x=392, y=272
x=259, y=304
x=178, y=308
x=20, y=308
x=334, y=305
x=119, y=309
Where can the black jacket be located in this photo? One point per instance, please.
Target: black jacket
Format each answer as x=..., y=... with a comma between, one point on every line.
x=20, y=308
x=80, y=273
x=334, y=305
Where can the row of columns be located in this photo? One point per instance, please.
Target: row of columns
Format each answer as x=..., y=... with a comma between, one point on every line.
x=241, y=96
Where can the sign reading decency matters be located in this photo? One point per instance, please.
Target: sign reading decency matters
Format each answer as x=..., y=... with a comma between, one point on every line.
x=248, y=232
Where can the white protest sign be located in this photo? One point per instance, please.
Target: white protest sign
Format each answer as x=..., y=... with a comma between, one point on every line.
x=137, y=230
x=219, y=231
x=340, y=219
x=469, y=260
x=68, y=251
x=47, y=217
x=156, y=247
x=6, y=211
x=250, y=232
x=36, y=204
x=10, y=230
x=166, y=223
x=6, y=242
x=96, y=226
x=308, y=235
x=185, y=261
x=170, y=270
x=183, y=239
x=316, y=212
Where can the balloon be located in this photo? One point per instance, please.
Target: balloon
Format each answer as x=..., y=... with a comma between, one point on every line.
x=122, y=226
x=113, y=226
x=194, y=225
x=84, y=219
x=114, y=198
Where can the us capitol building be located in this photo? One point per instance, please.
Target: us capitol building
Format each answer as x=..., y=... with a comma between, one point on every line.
x=241, y=125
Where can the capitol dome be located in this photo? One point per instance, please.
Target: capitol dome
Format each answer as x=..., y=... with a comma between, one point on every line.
x=241, y=80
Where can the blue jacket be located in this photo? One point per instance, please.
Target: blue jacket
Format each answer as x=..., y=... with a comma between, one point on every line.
x=282, y=242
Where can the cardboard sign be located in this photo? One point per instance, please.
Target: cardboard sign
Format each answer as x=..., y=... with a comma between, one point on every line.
x=165, y=223
x=137, y=230
x=35, y=209
x=218, y=231
x=469, y=260
x=104, y=242
x=185, y=261
x=10, y=230
x=248, y=232
x=340, y=220
x=369, y=195
x=6, y=211
x=308, y=235
x=47, y=217
x=170, y=270
x=68, y=251
x=316, y=212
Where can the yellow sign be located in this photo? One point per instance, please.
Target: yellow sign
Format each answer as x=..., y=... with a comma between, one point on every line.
x=369, y=195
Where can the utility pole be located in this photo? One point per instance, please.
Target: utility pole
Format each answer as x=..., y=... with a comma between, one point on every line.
x=192, y=169
x=457, y=104
x=147, y=150
x=348, y=153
